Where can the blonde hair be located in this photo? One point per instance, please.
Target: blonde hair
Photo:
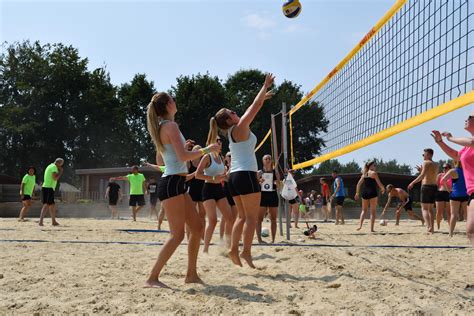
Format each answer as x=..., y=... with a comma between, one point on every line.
x=458, y=164
x=196, y=147
x=155, y=111
x=390, y=187
x=213, y=132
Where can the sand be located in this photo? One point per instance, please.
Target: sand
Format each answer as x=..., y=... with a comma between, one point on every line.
x=66, y=274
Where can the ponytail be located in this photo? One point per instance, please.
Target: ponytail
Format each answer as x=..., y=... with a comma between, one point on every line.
x=155, y=111
x=213, y=132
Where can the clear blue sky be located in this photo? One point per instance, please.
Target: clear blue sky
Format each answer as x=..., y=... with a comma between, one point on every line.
x=165, y=39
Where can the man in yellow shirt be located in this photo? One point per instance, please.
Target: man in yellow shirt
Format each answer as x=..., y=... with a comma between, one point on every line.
x=51, y=176
x=26, y=191
x=137, y=190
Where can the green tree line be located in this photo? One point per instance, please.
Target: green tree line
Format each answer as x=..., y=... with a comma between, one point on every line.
x=52, y=105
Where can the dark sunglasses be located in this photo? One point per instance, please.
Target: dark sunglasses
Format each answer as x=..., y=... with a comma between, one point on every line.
x=470, y=117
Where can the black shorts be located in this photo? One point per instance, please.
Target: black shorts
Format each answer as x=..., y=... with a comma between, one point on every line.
x=293, y=201
x=153, y=200
x=136, y=199
x=340, y=200
x=212, y=191
x=428, y=193
x=26, y=197
x=113, y=200
x=442, y=196
x=269, y=199
x=48, y=195
x=228, y=195
x=459, y=198
x=471, y=197
x=408, y=206
x=325, y=201
x=171, y=186
x=243, y=183
x=195, y=189
x=369, y=193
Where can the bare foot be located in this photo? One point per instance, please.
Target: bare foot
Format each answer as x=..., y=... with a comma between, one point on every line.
x=40, y=224
x=155, y=284
x=262, y=242
x=372, y=231
x=55, y=224
x=359, y=228
x=193, y=279
x=248, y=259
x=234, y=256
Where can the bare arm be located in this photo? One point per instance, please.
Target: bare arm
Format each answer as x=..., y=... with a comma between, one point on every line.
x=419, y=178
x=22, y=188
x=124, y=178
x=387, y=204
x=379, y=183
x=448, y=150
x=107, y=192
x=145, y=187
x=448, y=175
x=242, y=129
x=359, y=184
x=173, y=133
x=338, y=185
x=463, y=141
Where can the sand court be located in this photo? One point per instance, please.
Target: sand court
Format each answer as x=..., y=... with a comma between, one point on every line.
x=94, y=266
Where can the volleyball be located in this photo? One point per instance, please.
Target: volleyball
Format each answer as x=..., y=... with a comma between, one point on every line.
x=265, y=232
x=383, y=222
x=291, y=8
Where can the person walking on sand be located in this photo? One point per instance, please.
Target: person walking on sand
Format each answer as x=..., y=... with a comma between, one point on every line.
x=52, y=174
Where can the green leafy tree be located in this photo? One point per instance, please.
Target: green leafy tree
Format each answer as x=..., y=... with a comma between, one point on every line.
x=134, y=98
x=198, y=98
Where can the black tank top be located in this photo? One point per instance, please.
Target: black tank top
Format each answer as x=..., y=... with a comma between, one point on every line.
x=194, y=181
x=370, y=185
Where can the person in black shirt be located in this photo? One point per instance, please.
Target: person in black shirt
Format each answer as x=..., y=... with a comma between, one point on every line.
x=113, y=193
x=152, y=190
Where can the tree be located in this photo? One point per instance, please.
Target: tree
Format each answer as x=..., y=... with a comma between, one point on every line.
x=241, y=89
x=198, y=98
x=134, y=98
x=39, y=85
x=392, y=166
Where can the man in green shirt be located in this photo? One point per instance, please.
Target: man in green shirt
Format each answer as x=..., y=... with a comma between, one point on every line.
x=137, y=190
x=26, y=192
x=51, y=176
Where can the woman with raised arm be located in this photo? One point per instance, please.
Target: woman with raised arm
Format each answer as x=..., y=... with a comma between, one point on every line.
x=211, y=169
x=172, y=150
x=243, y=181
x=466, y=156
x=369, y=181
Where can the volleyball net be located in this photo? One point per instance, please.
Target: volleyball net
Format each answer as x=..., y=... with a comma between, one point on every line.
x=414, y=65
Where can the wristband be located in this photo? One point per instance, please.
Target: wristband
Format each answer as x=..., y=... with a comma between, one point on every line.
x=204, y=151
x=162, y=168
x=214, y=178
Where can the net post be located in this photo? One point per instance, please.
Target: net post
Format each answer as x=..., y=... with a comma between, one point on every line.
x=285, y=166
x=275, y=158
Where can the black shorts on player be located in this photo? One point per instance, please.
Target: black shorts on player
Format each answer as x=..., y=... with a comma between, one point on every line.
x=136, y=200
x=47, y=196
x=243, y=183
x=171, y=186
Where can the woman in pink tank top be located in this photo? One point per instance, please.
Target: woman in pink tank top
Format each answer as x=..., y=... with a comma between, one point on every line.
x=466, y=156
